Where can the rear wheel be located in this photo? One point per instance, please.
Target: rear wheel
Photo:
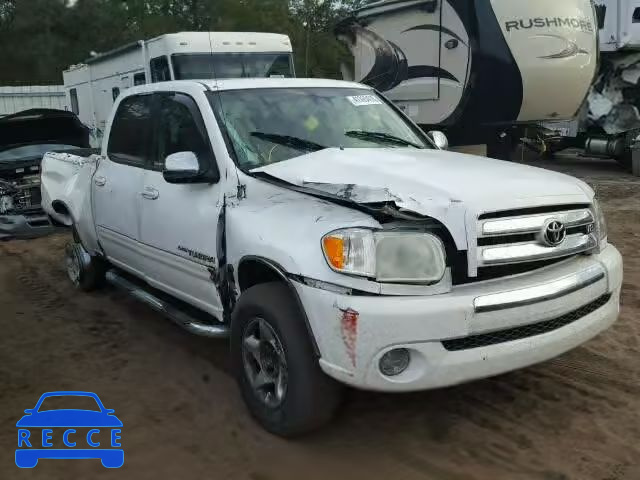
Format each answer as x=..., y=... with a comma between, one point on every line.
x=275, y=365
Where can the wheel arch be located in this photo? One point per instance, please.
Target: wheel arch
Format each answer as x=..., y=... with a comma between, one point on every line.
x=64, y=211
x=254, y=270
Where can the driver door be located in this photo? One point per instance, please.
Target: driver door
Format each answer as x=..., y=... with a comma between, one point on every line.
x=179, y=222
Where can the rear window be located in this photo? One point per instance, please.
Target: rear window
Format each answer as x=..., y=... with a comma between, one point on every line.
x=75, y=107
x=160, y=70
x=130, y=132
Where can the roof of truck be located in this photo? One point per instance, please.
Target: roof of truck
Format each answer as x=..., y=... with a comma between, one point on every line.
x=247, y=83
x=243, y=84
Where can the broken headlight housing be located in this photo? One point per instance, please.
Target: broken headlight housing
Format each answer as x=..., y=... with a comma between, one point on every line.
x=601, y=223
x=387, y=257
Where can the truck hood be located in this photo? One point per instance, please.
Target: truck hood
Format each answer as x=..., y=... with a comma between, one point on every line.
x=421, y=180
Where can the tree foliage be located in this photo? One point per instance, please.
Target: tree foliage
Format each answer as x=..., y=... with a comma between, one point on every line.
x=41, y=38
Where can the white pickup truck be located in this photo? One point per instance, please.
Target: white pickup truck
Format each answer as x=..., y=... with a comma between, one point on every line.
x=333, y=241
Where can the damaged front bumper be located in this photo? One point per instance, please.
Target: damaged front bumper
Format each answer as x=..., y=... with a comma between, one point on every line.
x=475, y=331
x=25, y=226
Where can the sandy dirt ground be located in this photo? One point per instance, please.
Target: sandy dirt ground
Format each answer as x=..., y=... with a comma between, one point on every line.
x=576, y=417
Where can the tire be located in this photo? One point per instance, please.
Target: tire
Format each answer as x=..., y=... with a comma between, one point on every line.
x=310, y=398
x=87, y=273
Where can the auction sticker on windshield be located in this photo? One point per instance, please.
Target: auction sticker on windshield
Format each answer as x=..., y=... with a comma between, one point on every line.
x=362, y=100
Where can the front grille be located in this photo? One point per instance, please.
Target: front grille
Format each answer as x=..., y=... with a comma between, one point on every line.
x=525, y=331
x=529, y=237
x=517, y=236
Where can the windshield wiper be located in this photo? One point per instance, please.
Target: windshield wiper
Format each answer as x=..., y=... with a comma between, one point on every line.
x=289, y=141
x=381, y=137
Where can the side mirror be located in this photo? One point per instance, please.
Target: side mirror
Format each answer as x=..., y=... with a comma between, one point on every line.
x=29, y=411
x=439, y=139
x=181, y=167
x=109, y=411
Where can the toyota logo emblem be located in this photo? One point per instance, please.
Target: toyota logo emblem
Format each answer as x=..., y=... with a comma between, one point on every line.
x=554, y=233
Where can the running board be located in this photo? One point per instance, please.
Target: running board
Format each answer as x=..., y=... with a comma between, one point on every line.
x=179, y=317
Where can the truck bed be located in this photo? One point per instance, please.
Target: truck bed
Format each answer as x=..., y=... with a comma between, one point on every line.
x=66, y=190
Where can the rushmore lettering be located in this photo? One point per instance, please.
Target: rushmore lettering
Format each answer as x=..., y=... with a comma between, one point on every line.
x=580, y=24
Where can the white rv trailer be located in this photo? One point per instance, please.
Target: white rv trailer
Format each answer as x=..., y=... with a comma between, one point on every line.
x=476, y=68
x=93, y=86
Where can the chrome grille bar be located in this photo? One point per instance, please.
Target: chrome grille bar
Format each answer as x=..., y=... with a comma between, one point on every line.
x=534, y=223
x=534, y=251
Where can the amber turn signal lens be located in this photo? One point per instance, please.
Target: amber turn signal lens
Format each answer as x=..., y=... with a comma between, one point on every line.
x=334, y=250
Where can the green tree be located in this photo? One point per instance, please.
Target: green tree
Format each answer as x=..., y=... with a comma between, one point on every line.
x=41, y=38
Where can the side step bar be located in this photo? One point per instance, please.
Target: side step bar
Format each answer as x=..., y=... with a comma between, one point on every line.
x=179, y=317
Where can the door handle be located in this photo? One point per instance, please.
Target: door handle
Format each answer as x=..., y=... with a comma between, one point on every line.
x=100, y=181
x=150, y=193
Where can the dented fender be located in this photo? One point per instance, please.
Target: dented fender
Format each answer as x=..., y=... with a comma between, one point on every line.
x=286, y=227
x=66, y=193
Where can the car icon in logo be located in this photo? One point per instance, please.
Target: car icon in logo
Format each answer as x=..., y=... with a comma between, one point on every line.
x=75, y=427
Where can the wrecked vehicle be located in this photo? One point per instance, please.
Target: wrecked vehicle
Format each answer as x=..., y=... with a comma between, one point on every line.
x=317, y=226
x=24, y=138
x=608, y=122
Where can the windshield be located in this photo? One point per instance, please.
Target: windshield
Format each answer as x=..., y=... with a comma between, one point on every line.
x=232, y=65
x=272, y=125
x=26, y=152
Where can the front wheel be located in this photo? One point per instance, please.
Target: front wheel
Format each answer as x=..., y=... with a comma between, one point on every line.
x=275, y=365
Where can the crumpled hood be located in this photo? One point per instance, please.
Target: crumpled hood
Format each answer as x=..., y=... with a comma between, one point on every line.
x=42, y=126
x=421, y=180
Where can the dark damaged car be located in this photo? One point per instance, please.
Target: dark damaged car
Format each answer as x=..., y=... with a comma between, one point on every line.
x=24, y=138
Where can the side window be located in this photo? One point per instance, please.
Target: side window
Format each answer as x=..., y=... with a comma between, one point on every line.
x=160, y=70
x=115, y=91
x=73, y=94
x=139, y=79
x=180, y=129
x=129, y=137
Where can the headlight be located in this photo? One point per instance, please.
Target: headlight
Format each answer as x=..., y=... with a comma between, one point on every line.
x=601, y=223
x=392, y=257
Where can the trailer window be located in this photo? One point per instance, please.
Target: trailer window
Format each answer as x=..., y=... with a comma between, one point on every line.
x=139, y=79
x=130, y=132
x=73, y=94
x=160, y=70
x=232, y=65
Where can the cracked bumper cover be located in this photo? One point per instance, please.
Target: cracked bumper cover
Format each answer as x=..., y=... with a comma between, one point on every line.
x=421, y=324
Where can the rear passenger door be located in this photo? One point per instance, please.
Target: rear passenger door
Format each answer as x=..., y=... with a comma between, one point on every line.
x=179, y=222
x=117, y=183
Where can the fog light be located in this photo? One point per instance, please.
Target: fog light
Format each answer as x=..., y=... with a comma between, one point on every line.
x=395, y=361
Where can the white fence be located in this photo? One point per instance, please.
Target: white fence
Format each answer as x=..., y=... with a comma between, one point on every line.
x=15, y=99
